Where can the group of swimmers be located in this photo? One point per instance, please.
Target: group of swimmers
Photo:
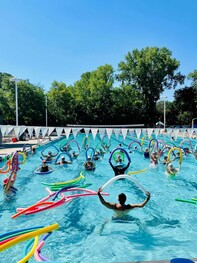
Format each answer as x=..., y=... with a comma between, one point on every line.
x=89, y=164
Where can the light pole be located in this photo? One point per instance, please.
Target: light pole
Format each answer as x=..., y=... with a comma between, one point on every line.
x=46, y=110
x=164, y=112
x=16, y=97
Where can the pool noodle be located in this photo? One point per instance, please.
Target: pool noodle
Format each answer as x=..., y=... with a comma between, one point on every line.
x=137, y=172
x=36, y=207
x=47, y=197
x=186, y=201
x=90, y=192
x=8, y=239
x=28, y=208
x=65, y=183
x=31, y=252
x=55, y=204
x=28, y=236
x=72, y=189
x=19, y=231
x=123, y=176
x=71, y=181
x=20, y=209
x=71, y=186
x=37, y=253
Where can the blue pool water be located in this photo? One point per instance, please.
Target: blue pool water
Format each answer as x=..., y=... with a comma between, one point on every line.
x=89, y=232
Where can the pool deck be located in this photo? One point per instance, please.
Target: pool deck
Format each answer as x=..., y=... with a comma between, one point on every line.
x=7, y=148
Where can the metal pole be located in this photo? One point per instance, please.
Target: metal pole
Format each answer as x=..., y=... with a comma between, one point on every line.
x=16, y=96
x=164, y=112
x=46, y=110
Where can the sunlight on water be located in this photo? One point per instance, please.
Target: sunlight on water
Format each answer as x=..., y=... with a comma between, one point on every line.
x=89, y=232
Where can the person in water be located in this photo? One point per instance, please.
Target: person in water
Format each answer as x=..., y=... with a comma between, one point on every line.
x=63, y=161
x=121, y=206
x=119, y=169
x=171, y=170
x=154, y=158
x=8, y=184
x=118, y=159
x=44, y=168
x=33, y=150
x=89, y=164
x=74, y=154
x=146, y=154
x=96, y=156
x=165, y=160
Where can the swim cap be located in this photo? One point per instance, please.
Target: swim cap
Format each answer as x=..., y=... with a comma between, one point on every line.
x=63, y=157
x=89, y=157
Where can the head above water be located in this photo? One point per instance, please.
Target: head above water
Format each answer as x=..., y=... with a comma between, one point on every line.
x=63, y=158
x=122, y=198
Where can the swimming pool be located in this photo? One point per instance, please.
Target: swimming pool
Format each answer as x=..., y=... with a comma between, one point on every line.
x=89, y=232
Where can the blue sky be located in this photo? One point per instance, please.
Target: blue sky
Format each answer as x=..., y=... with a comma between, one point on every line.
x=47, y=40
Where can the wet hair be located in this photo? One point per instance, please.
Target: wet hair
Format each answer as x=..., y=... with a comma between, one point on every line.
x=122, y=198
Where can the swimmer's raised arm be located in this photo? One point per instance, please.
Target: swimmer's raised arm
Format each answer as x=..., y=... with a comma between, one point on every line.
x=143, y=203
x=106, y=204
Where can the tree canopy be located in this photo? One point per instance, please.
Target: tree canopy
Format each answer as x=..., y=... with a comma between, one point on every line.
x=129, y=95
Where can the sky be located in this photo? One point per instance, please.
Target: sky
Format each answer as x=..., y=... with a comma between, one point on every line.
x=47, y=40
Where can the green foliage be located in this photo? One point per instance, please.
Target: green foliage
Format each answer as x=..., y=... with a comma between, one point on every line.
x=93, y=99
x=184, y=117
x=151, y=70
x=30, y=102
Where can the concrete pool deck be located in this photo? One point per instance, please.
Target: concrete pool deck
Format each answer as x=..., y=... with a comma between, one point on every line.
x=7, y=148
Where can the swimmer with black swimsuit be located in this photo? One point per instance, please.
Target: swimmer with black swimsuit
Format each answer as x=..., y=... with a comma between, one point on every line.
x=44, y=168
x=118, y=169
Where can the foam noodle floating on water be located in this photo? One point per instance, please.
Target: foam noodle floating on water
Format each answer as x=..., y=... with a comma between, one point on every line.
x=186, y=201
x=31, y=252
x=138, y=172
x=27, y=236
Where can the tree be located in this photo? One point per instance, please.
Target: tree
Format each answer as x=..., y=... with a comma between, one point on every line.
x=193, y=77
x=59, y=104
x=151, y=70
x=127, y=106
x=31, y=104
x=92, y=94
